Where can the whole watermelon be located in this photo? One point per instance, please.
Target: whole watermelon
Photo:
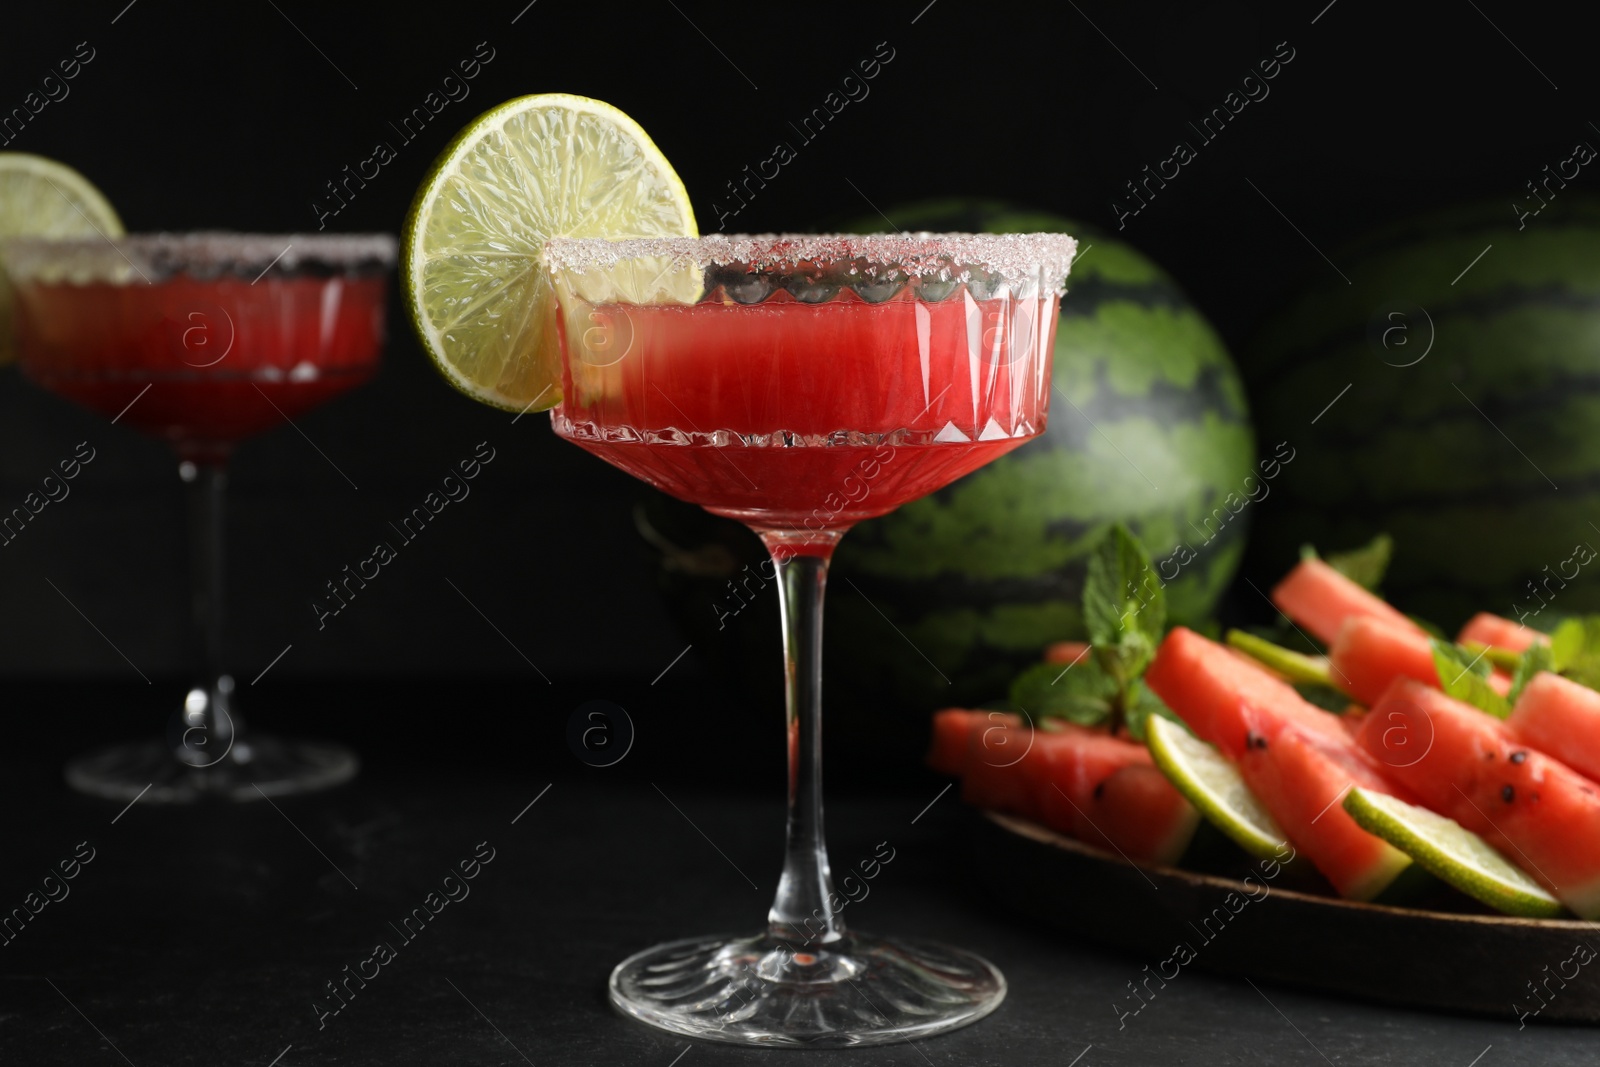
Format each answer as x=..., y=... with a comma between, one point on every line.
x=1478, y=454
x=945, y=599
x=948, y=597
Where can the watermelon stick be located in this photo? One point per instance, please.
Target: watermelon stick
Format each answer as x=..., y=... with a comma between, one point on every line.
x=1293, y=665
x=1504, y=658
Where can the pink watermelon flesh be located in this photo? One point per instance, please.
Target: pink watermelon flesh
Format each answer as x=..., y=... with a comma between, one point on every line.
x=1560, y=718
x=1079, y=781
x=952, y=735
x=1302, y=785
x=1369, y=654
x=1001, y=766
x=1297, y=759
x=1066, y=652
x=1495, y=631
x=1225, y=699
x=1136, y=812
x=1538, y=812
x=1319, y=599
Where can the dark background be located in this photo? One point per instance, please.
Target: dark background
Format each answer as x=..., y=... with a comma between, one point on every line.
x=193, y=115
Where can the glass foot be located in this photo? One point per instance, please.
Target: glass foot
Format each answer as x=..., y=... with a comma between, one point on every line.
x=256, y=766
x=760, y=991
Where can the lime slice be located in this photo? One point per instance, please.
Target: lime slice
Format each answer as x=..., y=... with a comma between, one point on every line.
x=533, y=168
x=1452, y=853
x=1211, y=784
x=42, y=198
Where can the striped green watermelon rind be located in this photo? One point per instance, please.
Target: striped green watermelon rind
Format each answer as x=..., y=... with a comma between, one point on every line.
x=1496, y=431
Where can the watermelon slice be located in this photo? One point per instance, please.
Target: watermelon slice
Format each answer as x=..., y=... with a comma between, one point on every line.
x=1496, y=631
x=1561, y=718
x=1541, y=814
x=1297, y=759
x=1301, y=784
x=1370, y=653
x=1320, y=599
x=1227, y=699
x=1134, y=811
x=954, y=736
x=1082, y=782
x=1001, y=764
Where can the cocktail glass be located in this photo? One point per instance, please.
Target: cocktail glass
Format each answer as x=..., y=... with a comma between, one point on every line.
x=801, y=385
x=202, y=340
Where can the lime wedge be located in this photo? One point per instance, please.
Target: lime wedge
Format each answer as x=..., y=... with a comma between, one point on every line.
x=1211, y=784
x=1453, y=853
x=530, y=169
x=42, y=198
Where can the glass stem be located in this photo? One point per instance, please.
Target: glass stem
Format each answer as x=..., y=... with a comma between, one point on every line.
x=210, y=725
x=803, y=911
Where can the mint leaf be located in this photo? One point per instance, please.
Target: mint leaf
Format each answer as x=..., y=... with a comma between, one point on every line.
x=1569, y=643
x=1325, y=697
x=1537, y=658
x=1503, y=658
x=1081, y=693
x=1575, y=649
x=1465, y=677
x=1366, y=565
x=1124, y=605
x=1143, y=703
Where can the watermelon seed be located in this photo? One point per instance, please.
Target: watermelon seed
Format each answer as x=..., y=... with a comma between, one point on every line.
x=1518, y=757
x=1508, y=794
x=1254, y=740
x=1099, y=790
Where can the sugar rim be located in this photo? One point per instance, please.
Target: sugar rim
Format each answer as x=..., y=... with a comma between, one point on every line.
x=209, y=252
x=1010, y=255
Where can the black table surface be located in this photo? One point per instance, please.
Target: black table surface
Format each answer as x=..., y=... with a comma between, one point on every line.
x=209, y=935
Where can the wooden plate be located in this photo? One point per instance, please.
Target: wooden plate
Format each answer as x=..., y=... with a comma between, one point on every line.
x=1257, y=927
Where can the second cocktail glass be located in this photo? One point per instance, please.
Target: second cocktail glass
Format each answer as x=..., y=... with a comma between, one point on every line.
x=202, y=340
x=801, y=385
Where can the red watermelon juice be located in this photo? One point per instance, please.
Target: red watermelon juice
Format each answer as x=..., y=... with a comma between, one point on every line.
x=202, y=363
x=808, y=417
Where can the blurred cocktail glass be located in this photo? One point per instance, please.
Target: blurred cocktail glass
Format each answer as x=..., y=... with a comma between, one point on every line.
x=202, y=340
